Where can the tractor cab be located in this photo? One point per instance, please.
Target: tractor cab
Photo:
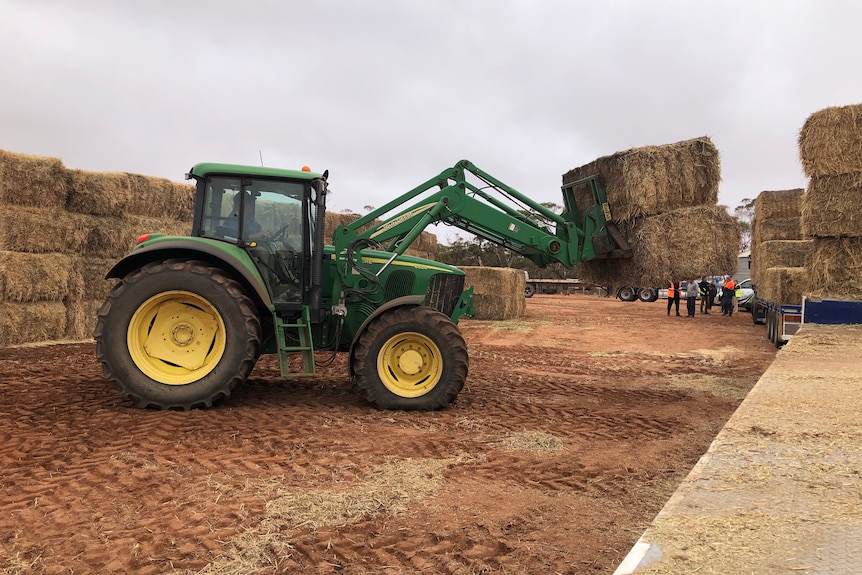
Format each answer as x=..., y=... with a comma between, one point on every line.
x=270, y=214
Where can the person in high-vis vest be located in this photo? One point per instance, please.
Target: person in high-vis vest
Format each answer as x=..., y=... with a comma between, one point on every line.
x=728, y=291
x=736, y=295
x=673, y=297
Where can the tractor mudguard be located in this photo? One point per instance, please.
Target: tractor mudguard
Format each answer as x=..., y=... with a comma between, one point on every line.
x=226, y=256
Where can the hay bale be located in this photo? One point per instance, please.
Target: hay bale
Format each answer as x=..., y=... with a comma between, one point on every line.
x=31, y=322
x=87, y=278
x=32, y=180
x=28, y=277
x=785, y=285
x=160, y=198
x=778, y=204
x=776, y=229
x=654, y=179
x=425, y=245
x=43, y=230
x=830, y=141
x=777, y=253
x=498, y=293
x=832, y=206
x=681, y=244
x=99, y=193
x=81, y=319
x=835, y=268
x=112, y=237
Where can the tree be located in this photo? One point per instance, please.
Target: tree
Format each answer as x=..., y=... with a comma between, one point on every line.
x=744, y=218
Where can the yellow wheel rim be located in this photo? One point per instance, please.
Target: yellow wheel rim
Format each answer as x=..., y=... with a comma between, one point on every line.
x=176, y=337
x=409, y=364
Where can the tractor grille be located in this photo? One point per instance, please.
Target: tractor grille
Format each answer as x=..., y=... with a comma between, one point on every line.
x=444, y=291
x=399, y=283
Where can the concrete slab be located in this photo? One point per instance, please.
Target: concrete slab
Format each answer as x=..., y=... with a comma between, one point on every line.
x=780, y=488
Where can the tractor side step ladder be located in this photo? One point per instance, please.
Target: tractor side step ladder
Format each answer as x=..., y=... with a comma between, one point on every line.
x=306, y=347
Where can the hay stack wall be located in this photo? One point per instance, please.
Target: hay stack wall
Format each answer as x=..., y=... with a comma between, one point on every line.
x=663, y=200
x=62, y=231
x=777, y=242
x=498, y=293
x=830, y=148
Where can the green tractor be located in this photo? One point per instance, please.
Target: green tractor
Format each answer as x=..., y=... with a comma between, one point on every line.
x=189, y=316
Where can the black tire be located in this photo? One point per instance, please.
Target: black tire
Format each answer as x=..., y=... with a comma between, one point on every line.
x=771, y=328
x=197, y=305
x=627, y=293
x=529, y=290
x=647, y=295
x=432, y=360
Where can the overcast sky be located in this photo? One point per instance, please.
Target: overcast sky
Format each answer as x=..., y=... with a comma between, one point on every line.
x=386, y=94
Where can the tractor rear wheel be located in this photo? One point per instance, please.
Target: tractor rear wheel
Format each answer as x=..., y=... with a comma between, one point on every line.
x=411, y=358
x=177, y=335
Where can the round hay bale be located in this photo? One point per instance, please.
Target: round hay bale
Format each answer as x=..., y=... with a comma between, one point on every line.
x=32, y=180
x=830, y=141
x=26, y=277
x=832, y=206
x=835, y=268
x=498, y=292
x=681, y=244
x=99, y=193
x=31, y=322
x=650, y=180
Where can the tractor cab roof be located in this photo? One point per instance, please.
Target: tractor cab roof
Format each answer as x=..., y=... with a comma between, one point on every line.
x=210, y=169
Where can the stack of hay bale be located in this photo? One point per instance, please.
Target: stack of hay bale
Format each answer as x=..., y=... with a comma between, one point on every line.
x=663, y=199
x=830, y=147
x=778, y=250
x=498, y=292
x=61, y=231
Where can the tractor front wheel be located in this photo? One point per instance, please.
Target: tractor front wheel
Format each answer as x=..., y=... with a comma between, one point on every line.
x=177, y=335
x=411, y=358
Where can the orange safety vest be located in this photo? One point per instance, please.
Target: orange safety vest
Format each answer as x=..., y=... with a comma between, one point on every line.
x=671, y=292
x=730, y=286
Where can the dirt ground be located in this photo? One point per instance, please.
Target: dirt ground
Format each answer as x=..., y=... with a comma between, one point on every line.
x=576, y=425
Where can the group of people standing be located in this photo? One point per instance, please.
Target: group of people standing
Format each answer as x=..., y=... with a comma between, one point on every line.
x=707, y=291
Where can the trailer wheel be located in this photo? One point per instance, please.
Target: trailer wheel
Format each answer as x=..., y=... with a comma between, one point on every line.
x=177, y=335
x=771, y=327
x=529, y=290
x=411, y=358
x=627, y=293
x=647, y=295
